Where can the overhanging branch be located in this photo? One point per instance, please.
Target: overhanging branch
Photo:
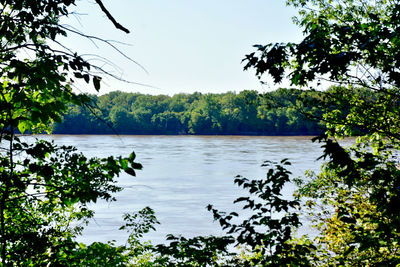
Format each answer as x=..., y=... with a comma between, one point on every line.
x=110, y=17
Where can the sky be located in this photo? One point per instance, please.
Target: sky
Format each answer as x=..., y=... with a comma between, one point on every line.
x=180, y=46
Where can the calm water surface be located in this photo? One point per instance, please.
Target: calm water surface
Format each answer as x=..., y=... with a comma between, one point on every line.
x=182, y=175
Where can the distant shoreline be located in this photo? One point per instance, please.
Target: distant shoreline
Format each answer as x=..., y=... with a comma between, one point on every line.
x=246, y=113
x=227, y=135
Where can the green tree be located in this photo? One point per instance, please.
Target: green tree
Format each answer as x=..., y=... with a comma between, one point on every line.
x=122, y=121
x=247, y=103
x=353, y=44
x=281, y=112
x=205, y=116
x=168, y=122
x=44, y=187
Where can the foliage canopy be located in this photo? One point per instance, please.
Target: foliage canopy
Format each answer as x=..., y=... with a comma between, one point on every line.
x=354, y=44
x=245, y=113
x=44, y=187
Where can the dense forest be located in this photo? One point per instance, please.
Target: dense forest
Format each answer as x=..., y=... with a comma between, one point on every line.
x=281, y=112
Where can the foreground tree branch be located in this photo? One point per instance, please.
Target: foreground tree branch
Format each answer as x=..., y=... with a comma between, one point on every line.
x=110, y=17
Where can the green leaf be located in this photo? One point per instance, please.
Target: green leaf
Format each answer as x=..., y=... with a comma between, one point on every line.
x=132, y=156
x=124, y=163
x=137, y=166
x=24, y=126
x=86, y=78
x=130, y=171
x=96, y=82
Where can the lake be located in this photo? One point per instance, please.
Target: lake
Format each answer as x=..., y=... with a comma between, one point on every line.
x=182, y=175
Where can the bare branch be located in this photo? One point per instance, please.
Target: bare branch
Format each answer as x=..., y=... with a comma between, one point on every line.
x=108, y=42
x=110, y=17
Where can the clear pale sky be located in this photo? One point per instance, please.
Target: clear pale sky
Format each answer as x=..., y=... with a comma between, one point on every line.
x=184, y=45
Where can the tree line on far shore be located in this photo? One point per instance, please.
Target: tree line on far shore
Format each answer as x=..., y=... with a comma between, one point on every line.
x=280, y=112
